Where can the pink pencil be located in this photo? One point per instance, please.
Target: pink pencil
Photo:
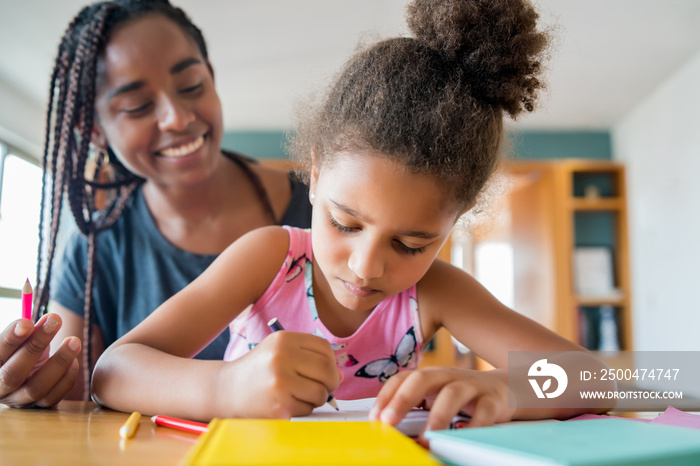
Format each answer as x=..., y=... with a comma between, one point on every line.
x=180, y=424
x=27, y=300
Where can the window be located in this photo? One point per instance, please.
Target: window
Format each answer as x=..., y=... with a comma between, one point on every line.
x=20, y=196
x=494, y=269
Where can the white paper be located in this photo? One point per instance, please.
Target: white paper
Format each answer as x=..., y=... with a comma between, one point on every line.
x=358, y=410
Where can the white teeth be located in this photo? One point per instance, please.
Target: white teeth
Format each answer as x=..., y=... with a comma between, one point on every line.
x=183, y=150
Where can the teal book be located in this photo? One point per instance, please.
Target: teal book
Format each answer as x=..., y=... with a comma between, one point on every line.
x=586, y=442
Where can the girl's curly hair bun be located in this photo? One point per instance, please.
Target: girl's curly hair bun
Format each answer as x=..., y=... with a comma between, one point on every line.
x=495, y=42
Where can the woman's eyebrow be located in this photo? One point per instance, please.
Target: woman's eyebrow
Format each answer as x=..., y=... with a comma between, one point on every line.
x=187, y=62
x=136, y=85
x=132, y=86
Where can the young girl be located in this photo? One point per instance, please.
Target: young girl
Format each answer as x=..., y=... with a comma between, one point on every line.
x=403, y=144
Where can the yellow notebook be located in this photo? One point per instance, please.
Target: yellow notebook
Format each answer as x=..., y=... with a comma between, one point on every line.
x=259, y=441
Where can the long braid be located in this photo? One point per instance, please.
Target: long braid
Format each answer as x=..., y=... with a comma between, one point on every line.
x=79, y=181
x=51, y=160
x=69, y=124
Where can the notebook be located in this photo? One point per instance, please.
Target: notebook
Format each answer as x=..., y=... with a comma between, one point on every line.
x=261, y=441
x=588, y=442
x=358, y=410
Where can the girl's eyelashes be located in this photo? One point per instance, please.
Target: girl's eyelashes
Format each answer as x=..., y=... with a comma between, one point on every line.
x=411, y=251
x=402, y=248
x=338, y=226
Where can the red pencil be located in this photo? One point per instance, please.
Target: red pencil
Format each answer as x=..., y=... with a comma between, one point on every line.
x=27, y=300
x=180, y=424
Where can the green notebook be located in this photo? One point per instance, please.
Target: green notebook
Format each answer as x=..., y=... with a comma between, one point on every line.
x=587, y=442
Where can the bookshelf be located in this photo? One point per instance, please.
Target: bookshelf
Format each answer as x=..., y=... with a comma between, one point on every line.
x=559, y=207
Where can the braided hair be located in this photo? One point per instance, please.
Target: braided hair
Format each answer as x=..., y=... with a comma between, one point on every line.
x=73, y=170
x=434, y=102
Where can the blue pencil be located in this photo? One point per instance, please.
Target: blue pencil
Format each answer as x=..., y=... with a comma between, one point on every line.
x=276, y=326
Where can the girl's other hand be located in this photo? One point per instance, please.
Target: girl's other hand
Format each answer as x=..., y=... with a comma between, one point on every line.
x=287, y=374
x=28, y=376
x=446, y=392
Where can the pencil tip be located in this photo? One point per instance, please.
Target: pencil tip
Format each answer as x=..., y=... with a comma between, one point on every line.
x=331, y=401
x=27, y=287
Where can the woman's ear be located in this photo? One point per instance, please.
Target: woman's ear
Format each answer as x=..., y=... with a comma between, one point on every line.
x=211, y=69
x=98, y=138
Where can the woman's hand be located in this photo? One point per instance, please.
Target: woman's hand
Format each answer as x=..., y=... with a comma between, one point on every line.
x=28, y=376
x=446, y=392
x=287, y=374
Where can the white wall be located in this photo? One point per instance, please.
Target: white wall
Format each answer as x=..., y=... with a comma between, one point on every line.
x=21, y=121
x=659, y=141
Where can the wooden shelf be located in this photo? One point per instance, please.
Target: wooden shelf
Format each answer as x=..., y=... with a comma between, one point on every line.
x=547, y=204
x=602, y=204
x=600, y=300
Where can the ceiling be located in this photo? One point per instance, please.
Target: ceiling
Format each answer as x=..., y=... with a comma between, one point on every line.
x=268, y=54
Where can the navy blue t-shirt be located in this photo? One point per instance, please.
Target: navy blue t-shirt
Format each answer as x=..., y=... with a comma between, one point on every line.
x=138, y=269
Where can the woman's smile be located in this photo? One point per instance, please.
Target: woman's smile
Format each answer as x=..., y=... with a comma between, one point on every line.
x=182, y=150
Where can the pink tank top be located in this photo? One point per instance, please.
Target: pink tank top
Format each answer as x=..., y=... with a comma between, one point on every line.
x=387, y=342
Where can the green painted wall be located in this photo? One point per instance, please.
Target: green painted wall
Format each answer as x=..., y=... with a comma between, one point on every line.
x=561, y=144
x=258, y=144
x=525, y=145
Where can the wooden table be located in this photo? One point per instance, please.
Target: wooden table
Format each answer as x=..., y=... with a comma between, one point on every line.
x=80, y=433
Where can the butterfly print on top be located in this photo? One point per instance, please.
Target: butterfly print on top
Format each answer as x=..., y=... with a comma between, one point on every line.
x=386, y=367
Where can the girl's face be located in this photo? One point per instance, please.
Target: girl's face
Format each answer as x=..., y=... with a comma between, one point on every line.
x=156, y=104
x=376, y=229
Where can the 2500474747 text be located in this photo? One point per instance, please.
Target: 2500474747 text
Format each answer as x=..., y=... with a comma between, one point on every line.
x=630, y=374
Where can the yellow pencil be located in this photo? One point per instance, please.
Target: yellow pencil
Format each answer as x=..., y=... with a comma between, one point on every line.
x=129, y=428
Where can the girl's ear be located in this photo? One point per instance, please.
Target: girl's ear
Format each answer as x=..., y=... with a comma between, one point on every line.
x=313, y=176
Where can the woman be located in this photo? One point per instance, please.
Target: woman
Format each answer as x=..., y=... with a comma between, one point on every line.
x=132, y=79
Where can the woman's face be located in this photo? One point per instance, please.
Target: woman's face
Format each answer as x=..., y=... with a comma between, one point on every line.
x=156, y=105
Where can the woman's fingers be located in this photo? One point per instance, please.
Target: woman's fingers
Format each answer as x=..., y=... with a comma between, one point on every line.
x=19, y=360
x=28, y=377
x=12, y=338
x=60, y=389
x=50, y=381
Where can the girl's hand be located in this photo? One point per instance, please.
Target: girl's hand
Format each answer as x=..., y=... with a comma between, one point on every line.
x=28, y=376
x=287, y=374
x=446, y=392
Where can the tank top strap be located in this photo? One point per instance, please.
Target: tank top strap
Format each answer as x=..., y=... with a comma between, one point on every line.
x=243, y=162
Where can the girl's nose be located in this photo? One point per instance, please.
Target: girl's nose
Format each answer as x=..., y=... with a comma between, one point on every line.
x=367, y=262
x=174, y=115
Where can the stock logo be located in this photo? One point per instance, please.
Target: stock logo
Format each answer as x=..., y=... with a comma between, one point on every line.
x=541, y=369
